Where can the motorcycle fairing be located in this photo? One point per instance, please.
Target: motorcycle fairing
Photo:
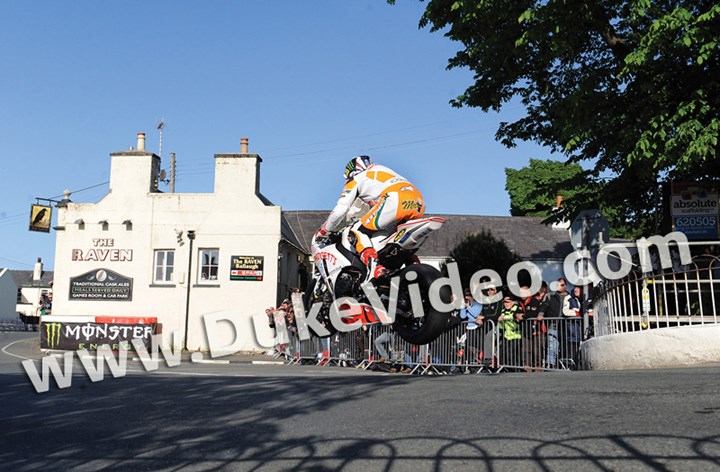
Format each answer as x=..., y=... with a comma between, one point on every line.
x=332, y=260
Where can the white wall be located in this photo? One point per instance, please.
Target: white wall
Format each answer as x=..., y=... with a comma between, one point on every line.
x=31, y=300
x=233, y=220
x=654, y=349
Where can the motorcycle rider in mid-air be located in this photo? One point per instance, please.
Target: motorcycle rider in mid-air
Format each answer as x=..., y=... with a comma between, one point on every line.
x=391, y=197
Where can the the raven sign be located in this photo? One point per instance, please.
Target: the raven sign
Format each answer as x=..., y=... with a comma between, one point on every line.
x=40, y=216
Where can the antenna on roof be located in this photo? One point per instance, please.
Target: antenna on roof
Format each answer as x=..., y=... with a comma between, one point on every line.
x=160, y=126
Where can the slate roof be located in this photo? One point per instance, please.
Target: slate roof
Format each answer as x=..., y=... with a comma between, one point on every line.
x=525, y=235
x=287, y=233
x=304, y=224
x=24, y=278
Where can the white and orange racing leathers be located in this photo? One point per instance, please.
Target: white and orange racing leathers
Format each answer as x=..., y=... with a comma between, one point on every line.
x=391, y=197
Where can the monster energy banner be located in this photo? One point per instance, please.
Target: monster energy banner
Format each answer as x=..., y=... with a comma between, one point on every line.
x=101, y=284
x=68, y=336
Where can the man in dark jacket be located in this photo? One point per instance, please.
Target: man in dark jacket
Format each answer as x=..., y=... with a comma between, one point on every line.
x=531, y=330
x=490, y=312
x=555, y=308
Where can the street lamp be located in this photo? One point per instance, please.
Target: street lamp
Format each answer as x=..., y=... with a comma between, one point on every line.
x=191, y=238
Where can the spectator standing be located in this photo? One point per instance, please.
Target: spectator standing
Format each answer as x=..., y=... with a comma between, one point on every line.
x=282, y=328
x=539, y=328
x=490, y=312
x=555, y=308
x=270, y=312
x=511, y=316
x=382, y=343
x=590, y=328
x=573, y=327
x=44, y=305
x=291, y=325
x=472, y=312
x=360, y=342
x=386, y=342
x=531, y=349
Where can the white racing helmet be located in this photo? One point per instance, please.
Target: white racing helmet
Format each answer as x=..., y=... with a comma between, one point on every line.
x=356, y=165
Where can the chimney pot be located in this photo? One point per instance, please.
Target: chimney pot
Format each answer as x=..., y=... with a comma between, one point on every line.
x=38, y=270
x=243, y=145
x=141, y=141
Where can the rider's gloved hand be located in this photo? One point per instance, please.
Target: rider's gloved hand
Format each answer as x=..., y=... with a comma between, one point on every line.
x=322, y=233
x=322, y=237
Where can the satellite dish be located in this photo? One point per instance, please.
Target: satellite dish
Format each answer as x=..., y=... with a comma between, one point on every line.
x=161, y=176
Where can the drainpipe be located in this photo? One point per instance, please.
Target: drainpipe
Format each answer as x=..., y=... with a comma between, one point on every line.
x=191, y=237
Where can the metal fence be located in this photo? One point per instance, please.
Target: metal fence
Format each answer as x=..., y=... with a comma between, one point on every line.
x=544, y=345
x=683, y=296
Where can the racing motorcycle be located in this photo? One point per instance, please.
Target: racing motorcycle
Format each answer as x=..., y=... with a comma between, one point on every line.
x=339, y=272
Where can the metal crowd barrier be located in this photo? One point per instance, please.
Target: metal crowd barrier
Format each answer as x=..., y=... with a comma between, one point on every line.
x=547, y=345
x=686, y=296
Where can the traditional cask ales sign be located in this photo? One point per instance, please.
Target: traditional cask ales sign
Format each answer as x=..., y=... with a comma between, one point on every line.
x=246, y=268
x=101, y=284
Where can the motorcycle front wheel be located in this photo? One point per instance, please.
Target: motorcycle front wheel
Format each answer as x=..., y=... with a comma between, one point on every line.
x=427, y=328
x=309, y=299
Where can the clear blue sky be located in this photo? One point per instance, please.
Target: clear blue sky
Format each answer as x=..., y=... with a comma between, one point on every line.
x=310, y=83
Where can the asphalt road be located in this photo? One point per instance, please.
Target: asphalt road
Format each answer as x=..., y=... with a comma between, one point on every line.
x=259, y=417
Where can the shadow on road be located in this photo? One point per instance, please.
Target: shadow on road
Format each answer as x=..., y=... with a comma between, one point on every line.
x=172, y=423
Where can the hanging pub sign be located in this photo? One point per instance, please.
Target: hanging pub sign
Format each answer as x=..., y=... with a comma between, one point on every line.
x=40, y=216
x=101, y=284
x=246, y=268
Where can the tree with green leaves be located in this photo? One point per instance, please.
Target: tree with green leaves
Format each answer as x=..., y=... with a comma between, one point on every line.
x=533, y=189
x=632, y=87
x=482, y=250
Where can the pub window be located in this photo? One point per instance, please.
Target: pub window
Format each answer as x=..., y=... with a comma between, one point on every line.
x=208, y=265
x=164, y=265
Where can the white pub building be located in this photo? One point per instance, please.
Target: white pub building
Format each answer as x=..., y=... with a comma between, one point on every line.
x=141, y=254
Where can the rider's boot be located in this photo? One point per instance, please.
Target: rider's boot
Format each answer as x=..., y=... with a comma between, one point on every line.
x=370, y=255
x=364, y=247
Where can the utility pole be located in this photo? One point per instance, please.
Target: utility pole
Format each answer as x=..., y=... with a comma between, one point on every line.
x=172, y=172
x=585, y=271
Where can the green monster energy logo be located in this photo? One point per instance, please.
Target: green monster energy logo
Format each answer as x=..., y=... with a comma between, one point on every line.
x=52, y=331
x=349, y=168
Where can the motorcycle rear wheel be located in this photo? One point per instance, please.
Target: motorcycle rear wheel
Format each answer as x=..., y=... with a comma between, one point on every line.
x=426, y=329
